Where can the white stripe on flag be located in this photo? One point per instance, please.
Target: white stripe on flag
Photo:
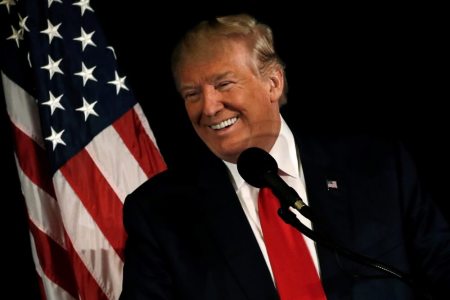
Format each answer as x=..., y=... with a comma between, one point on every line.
x=114, y=161
x=87, y=239
x=42, y=208
x=22, y=110
x=144, y=122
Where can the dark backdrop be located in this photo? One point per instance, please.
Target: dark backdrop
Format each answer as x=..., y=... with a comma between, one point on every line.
x=373, y=68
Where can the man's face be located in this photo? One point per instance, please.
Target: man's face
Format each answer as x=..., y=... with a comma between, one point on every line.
x=230, y=106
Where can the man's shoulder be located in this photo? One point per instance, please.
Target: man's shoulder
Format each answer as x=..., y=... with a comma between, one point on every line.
x=352, y=152
x=167, y=178
x=161, y=187
x=349, y=144
x=338, y=138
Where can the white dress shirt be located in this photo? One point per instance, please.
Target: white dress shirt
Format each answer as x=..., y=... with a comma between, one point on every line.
x=286, y=155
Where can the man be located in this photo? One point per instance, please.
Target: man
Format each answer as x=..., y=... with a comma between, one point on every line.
x=197, y=234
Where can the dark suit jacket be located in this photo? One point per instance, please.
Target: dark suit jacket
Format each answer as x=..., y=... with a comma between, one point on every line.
x=188, y=237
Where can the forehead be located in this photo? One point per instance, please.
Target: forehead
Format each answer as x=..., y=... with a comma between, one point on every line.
x=211, y=56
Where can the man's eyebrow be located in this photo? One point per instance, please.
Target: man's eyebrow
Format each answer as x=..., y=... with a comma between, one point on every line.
x=222, y=76
x=214, y=78
x=187, y=87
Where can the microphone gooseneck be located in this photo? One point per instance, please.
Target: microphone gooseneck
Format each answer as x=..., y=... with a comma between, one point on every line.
x=259, y=169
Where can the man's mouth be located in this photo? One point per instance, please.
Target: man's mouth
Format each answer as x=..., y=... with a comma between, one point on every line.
x=224, y=124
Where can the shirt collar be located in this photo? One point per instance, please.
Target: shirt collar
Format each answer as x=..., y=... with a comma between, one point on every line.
x=283, y=151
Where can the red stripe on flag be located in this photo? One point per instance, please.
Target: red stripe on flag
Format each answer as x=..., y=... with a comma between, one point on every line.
x=89, y=287
x=41, y=289
x=97, y=197
x=136, y=139
x=33, y=161
x=54, y=261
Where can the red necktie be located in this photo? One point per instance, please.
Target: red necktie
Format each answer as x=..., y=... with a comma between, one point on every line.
x=294, y=271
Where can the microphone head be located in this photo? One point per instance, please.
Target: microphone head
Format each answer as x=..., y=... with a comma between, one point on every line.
x=253, y=164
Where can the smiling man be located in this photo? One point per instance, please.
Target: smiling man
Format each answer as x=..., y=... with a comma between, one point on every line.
x=208, y=234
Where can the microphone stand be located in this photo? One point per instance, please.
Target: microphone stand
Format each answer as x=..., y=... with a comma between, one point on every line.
x=290, y=218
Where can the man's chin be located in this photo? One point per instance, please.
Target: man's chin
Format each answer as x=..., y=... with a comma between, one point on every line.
x=229, y=156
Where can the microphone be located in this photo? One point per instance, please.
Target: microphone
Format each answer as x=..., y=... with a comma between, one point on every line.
x=259, y=169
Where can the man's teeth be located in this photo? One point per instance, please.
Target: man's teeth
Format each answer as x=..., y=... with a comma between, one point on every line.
x=224, y=124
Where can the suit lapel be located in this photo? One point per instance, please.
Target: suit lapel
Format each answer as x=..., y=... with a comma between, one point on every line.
x=326, y=188
x=328, y=203
x=234, y=236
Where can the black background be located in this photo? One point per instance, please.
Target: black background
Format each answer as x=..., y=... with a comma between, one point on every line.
x=378, y=68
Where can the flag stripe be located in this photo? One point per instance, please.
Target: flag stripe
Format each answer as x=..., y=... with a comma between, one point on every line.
x=90, y=288
x=94, y=249
x=49, y=289
x=97, y=196
x=113, y=159
x=53, y=261
x=33, y=161
x=40, y=280
x=42, y=209
x=144, y=123
x=140, y=144
x=22, y=109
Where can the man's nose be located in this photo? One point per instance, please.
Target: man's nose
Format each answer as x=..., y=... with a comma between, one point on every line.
x=212, y=101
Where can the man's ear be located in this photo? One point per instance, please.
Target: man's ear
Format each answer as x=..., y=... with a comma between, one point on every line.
x=276, y=81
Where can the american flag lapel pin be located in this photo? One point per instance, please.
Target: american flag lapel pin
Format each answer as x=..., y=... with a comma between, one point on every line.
x=332, y=185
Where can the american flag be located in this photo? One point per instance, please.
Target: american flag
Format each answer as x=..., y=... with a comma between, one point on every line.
x=82, y=143
x=332, y=185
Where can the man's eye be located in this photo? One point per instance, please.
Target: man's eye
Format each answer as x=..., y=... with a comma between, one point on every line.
x=191, y=95
x=223, y=84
